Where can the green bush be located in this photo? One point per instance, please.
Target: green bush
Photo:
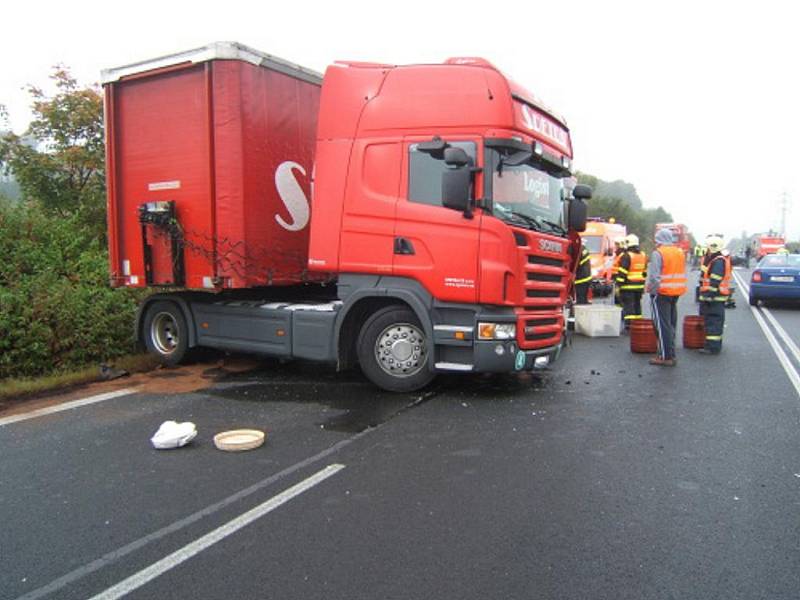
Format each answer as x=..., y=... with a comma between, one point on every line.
x=57, y=310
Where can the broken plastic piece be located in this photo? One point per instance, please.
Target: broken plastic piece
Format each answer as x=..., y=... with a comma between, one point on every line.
x=173, y=435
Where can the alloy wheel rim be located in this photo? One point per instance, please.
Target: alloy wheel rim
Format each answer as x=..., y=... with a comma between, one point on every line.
x=164, y=333
x=400, y=350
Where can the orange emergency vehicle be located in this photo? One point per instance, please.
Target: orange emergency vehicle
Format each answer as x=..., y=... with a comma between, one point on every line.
x=599, y=239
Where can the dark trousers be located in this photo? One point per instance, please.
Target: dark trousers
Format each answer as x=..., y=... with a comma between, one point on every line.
x=714, y=316
x=631, y=306
x=665, y=320
x=582, y=293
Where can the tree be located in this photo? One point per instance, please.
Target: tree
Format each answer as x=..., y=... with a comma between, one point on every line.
x=60, y=162
x=618, y=199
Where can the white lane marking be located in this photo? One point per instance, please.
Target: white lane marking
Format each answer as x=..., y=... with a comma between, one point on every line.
x=782, y=332
x=776, y=347
x=119, y=553
x=778, y=327
x=182, y=555
x=65, y=406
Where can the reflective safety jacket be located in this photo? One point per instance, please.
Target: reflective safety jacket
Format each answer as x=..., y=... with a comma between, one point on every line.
x=715, y=285
x=584, y=272
x=673, y=271
x=615, y=264
x=632, y=270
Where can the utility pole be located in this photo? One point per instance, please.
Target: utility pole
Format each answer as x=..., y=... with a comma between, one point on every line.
x=784, y=209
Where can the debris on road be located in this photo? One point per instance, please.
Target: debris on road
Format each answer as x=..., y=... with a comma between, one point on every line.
x=173, y=435
x=109, y=373
x=237, y=440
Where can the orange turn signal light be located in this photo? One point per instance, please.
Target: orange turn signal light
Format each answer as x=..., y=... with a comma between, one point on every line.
x=486, y=331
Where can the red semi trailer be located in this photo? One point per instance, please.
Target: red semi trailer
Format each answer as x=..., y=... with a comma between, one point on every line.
x=412, y=219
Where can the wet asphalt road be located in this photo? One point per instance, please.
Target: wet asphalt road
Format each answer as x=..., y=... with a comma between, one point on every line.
x=604, y=478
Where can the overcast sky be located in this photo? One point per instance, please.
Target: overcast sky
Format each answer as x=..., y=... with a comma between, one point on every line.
x=695, y=103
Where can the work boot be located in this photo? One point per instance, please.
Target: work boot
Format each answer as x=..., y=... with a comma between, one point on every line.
x=662, y=362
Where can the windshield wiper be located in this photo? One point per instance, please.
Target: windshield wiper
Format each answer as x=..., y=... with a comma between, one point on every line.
x=530, y=221
x=555, y=227
x=536, y=223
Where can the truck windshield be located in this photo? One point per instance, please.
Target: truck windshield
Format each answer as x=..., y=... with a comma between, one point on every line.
x=526, y=194
x=593, y=243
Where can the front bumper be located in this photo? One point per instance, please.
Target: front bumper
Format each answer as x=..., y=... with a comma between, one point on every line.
x=487, y=358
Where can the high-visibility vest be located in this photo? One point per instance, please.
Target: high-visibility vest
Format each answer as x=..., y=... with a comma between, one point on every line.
x=673, y=271
x=583, y=274
x=632, y=278
x=638, y=267
x=722, y=281
x=615, y=264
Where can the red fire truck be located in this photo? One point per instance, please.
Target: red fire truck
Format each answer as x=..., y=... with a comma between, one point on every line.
x=680, y=234
x=767, y=243
x=411, y=219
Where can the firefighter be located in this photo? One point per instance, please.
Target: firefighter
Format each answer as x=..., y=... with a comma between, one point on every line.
x=698, y=255
x=631, y=273
x=583, y=277
x=619, y=248
x=666, y=282
x=714, y=293
x=731, y=301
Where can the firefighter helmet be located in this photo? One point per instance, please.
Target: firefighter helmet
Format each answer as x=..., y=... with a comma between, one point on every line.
x=714, y=243
x=632, y=240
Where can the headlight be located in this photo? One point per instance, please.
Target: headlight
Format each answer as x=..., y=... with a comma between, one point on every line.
x=497, y=331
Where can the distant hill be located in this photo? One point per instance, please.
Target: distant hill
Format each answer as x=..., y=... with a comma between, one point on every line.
x=619, y=199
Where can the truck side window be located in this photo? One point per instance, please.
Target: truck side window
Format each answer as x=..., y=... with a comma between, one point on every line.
x=425, y=174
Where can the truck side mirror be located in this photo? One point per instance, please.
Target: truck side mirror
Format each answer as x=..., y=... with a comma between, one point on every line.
x=435, y=147
x=456, y=187
x=578, y=211
x=582, y=191
x=456, y=157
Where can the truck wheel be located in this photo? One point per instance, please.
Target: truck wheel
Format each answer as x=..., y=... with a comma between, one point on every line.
x=165, y=333
x=393, y=350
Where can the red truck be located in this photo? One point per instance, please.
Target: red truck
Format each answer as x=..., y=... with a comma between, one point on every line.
x=680, y=234
x=767, y=243
x=410, y=219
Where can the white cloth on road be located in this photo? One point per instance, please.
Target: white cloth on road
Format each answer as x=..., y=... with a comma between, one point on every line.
x=173, y=435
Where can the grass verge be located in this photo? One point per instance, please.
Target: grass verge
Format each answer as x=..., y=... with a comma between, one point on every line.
x=14, y=388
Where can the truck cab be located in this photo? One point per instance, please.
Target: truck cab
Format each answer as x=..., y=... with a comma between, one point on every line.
x=492, y=268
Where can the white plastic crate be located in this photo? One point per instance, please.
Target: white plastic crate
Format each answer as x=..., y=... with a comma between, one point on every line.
x=598, y=320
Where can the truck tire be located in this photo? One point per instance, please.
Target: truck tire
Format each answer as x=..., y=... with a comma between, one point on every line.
x=165, y=333
x=393, y=350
